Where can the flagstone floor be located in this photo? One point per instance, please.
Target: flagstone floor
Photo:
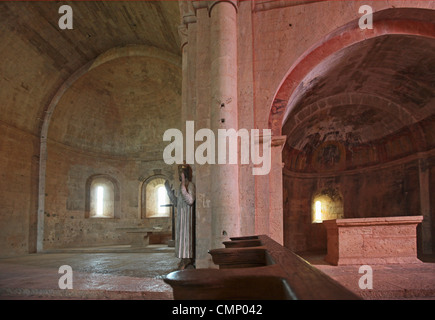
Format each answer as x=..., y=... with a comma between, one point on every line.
x=97, y=273
x=390, y=281
x=123, y=273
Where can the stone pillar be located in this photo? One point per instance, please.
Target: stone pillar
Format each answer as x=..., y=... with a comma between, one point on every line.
x=223, y=115
x=426, y=233
x=245, y=112
x=41, y=192
x=203, y=172
x=276, y=219
x=182, y=31
x=269, y=196
x=187, y=33
x=262, y=204
x=194, y=36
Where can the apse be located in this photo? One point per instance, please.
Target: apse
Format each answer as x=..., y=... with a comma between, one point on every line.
x=359, y=124
x=104, y=141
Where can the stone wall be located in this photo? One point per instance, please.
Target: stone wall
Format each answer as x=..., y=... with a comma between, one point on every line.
x=65, y=222
x=18, y=190
x=110, y=122
x=432, y=198
x=383, y=191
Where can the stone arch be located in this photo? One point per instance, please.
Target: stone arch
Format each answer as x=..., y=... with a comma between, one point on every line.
x=284, y=117
x=400, y=21
x=403, y=115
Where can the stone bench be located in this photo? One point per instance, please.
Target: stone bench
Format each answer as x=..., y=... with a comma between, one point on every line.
x=372, y=240
x=259, y=270
x=141, y=237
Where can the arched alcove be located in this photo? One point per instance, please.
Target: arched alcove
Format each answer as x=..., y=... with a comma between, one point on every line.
x=302, y=74
x=356, y=114
x=106, y=121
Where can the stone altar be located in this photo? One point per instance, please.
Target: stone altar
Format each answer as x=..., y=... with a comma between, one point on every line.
x=372, y=240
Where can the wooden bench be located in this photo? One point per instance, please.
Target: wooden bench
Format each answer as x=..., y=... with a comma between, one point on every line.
x=256, y=267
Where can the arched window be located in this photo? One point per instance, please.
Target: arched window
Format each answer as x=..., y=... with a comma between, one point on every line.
x=102, y=197
x=155, y=198
x=327, y=205
x=162, y=200
x=100, y=201
x=318, y=211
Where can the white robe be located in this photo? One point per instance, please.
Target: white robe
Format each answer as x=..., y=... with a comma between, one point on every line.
x=184, y=228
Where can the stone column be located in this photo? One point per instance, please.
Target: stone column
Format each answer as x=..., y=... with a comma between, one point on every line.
x=426, y=233
x=187, y=33
x=203, y=101
x=182, y=31
x=223, y=115
x=276, y=220
x=245, y=112
x=269, y=194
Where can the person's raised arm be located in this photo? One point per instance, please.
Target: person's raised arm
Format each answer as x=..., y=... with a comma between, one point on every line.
x=170, y=193
x=188, y=193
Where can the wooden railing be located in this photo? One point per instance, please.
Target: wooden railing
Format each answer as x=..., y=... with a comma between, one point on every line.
x=256, y=267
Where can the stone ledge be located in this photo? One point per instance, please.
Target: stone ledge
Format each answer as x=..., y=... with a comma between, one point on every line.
x=374, y=221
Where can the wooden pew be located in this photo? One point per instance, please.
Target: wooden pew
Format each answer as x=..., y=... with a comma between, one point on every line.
x=256, y=267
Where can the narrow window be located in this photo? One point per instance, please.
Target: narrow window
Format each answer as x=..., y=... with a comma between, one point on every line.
x=161, y=200
x=155, y=197
x=100, y=200
x=318, y=213
x=327, y=205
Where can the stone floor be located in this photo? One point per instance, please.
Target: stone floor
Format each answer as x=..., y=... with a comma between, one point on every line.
x=98, y=273
x=121, y=272
x=390, y=281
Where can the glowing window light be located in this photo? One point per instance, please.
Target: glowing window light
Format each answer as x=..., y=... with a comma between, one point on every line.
x=100, y=200
x=161, y=199
x=318, y=212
